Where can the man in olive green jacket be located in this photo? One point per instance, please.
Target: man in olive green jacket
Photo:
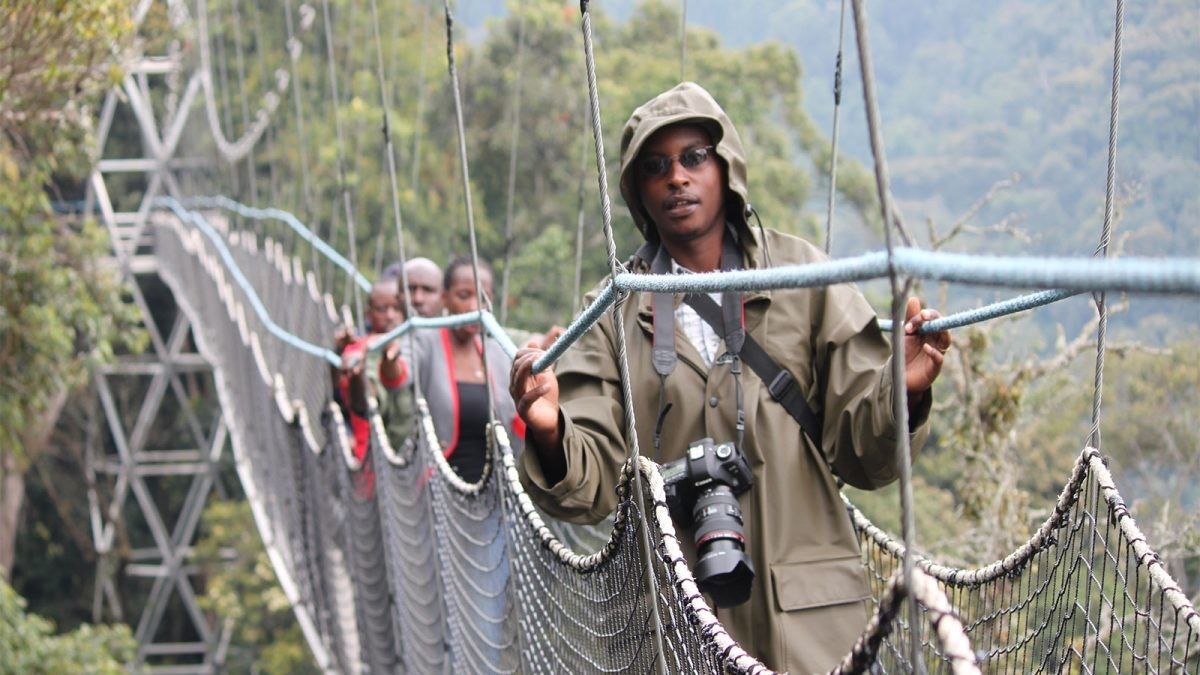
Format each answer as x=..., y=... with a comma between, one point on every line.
x=683, y=176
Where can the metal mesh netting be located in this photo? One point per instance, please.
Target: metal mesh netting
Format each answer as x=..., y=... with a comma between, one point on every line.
x=433, y=574
x=1085, y=594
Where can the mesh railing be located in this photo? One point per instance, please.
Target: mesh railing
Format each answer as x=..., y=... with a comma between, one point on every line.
x=1085, y=594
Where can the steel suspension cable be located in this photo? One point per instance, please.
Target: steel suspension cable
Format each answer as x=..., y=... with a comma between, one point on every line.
x=899, y=293
x=512, y=162
x=341, y=150
x=466, y=183
x=1109, y=209
x=223, y=80
x=391, y=165
x=576, y=297
x=837, y=114
x=293, y=49
x=683, y=40
x=615, y=268
x=240, y=62
x=416, y=150
x=260, y=53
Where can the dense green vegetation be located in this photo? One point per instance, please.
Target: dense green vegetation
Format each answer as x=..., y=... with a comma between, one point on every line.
x=28, y=644
x=61, y=309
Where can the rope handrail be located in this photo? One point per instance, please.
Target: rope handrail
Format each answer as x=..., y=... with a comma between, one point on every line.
x=1072, y=275
x=1141, y=275
x=376, y=343
x=285, y=217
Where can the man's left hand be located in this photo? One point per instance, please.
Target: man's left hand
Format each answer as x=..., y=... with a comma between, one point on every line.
x=923, y=352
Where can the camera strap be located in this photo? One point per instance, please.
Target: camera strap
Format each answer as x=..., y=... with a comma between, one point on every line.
x=728, y=322
x=780, y=383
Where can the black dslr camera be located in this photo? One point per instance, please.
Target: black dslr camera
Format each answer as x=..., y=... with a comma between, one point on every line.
x=702, y=489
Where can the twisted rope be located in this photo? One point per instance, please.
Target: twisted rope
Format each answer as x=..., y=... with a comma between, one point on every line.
x=923, y=592
x=618, y=320
x=899, y=307
x=1109, y=207
x=683, y=7
x=466, y=180
x=837, y=114
x=294, y=49
x=341, y=153
x=512, y=163
x=389, y=151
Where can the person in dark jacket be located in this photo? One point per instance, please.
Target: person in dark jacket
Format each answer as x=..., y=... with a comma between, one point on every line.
x=683, y=177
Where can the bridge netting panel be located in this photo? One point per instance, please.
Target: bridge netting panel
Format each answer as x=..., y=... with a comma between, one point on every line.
x=425, y=573
x=1086, y=594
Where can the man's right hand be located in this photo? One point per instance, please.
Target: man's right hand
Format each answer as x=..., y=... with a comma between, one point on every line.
x=536, y=397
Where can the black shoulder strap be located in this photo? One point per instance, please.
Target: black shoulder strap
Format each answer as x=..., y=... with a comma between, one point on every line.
x=780, y=383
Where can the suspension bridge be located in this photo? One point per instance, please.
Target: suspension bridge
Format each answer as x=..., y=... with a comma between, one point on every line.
x=435, y=574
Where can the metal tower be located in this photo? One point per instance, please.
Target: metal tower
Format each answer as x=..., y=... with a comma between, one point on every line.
x=140, y=394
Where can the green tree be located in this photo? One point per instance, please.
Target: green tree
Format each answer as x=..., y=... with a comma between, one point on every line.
x=61, y=310
x=241, y=589
x=28, y=645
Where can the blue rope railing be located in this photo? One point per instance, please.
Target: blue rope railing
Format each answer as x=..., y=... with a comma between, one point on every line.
x=1070, y=276
x=286, y=218
x=376, y=343
x=987, y=312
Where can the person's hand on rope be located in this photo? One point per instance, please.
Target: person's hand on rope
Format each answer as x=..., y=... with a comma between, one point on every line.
x=551, y=336
x=342, y=338
x=924, y=353
x=353, y=369
x=536, y=396
x=393, y=369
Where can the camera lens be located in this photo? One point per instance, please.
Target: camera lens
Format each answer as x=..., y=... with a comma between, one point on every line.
x=723, y=570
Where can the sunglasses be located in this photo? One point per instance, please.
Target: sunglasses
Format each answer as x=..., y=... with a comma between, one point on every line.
x=659, y=165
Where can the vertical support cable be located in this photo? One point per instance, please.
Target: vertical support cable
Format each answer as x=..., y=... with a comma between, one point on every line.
x=240, y=61
x=293, y=49
x=615, y=268
x=576, y=299
x=512, y=163
x=899, y=391
x=341, y=149
x=223, y=80
x=466, y=182
x=417, y=126
x=260, y=52
x=389, y=149
x=683, y=40
x=837, y=114
x=1109, y=209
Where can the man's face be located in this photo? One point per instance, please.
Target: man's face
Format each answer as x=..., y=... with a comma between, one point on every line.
x=425, y=289
x=684, y=203
x=385, y=310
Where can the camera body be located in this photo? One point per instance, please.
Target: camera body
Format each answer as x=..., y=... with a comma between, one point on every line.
x=702, y=489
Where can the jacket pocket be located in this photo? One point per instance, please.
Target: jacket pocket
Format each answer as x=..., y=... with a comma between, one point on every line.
x=818, y=583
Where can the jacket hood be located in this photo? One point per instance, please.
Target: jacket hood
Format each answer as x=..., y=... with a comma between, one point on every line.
x=686, y=102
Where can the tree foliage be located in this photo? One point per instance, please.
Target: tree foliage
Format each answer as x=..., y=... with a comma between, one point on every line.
x=242, y=590
x=61, y=309
x=28, y=645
